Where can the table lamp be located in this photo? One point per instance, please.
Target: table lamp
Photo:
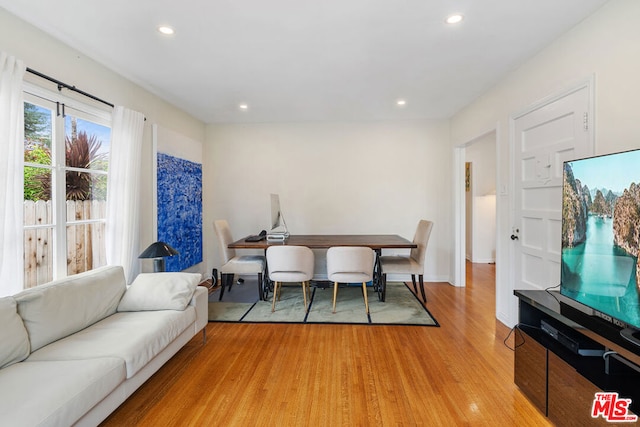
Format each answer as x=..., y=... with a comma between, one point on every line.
x=158, y=251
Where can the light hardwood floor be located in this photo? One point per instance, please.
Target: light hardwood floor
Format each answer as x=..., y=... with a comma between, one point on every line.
x=328, y=375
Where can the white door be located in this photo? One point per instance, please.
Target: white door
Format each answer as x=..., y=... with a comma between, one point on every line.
x=543, y=138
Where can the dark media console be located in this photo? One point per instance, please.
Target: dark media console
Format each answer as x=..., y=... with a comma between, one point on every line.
x=565, y=353
x=631, y=334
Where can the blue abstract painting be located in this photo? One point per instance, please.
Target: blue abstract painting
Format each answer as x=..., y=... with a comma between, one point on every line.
x=180, y=210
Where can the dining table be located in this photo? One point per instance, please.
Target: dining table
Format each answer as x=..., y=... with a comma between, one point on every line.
x=377, y=242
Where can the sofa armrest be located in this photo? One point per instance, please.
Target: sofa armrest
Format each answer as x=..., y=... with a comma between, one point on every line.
x=200, y=301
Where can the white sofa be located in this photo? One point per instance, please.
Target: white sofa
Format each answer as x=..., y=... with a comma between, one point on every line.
x=73, y=350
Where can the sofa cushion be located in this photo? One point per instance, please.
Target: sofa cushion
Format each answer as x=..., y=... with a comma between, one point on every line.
x=60, y=308
x=55, y=393
x=14, y=339
x=136, y=337
x=160, y=291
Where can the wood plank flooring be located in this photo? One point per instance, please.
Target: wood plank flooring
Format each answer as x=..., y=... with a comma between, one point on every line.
x=330, y=375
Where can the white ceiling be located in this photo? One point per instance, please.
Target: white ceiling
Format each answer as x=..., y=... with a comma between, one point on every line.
x=309, y=60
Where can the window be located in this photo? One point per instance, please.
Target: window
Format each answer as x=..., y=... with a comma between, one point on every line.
x=66, y=161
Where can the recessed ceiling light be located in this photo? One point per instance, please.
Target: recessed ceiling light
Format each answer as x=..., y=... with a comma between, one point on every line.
x=243, y=107
x=401, y=102
x=454, y=19
x=166, y=30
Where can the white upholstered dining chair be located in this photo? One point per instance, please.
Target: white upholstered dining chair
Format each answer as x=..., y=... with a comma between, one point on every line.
x=235, y=264
x=290, y=264
x=350, y=264
x=412, y=264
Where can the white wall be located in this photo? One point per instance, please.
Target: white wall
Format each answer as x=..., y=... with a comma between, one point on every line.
x=348, y=178
x=605, y=45
x=45, y=54
x=483, y=249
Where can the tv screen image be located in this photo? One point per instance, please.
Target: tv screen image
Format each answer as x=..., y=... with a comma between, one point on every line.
x=601, y=234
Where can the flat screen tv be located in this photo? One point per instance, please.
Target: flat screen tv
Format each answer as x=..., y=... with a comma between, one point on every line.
x=601, y=237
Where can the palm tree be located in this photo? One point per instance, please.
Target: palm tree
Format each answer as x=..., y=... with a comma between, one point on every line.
x=81, y=152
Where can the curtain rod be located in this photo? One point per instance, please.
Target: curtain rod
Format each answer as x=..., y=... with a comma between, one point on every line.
x=66, y=86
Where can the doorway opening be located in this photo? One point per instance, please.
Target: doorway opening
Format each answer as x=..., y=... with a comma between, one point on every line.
x=476, y=204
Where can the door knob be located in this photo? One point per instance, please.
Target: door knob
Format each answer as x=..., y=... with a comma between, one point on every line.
x=514, y=237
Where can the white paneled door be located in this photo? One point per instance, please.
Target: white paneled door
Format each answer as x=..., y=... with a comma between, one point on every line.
x=544, y=137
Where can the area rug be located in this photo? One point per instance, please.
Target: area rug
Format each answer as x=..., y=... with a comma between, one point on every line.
x=400, y=308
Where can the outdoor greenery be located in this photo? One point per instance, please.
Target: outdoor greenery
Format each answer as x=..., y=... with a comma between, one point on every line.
x=33, y=189
x=37, y=126
x=82, y=151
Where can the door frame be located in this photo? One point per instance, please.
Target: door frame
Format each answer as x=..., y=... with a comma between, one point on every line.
x=459, y=201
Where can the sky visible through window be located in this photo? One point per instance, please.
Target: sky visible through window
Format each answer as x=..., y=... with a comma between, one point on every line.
x=103, y=133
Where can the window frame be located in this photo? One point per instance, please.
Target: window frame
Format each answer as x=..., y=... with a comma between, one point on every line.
x=50, y=99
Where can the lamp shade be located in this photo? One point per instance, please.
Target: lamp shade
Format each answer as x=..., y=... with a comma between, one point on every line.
x=158, y=250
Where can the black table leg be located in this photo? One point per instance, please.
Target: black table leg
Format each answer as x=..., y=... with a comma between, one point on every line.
x=379, y=284
x=267, y=284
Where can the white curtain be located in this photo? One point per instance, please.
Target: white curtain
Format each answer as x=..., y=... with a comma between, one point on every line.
x=123, y=190
x=11, y=178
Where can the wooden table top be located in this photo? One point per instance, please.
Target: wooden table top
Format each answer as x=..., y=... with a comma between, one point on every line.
x=325, y=241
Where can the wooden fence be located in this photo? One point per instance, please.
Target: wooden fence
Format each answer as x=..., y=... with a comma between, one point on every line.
x=85, y=242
